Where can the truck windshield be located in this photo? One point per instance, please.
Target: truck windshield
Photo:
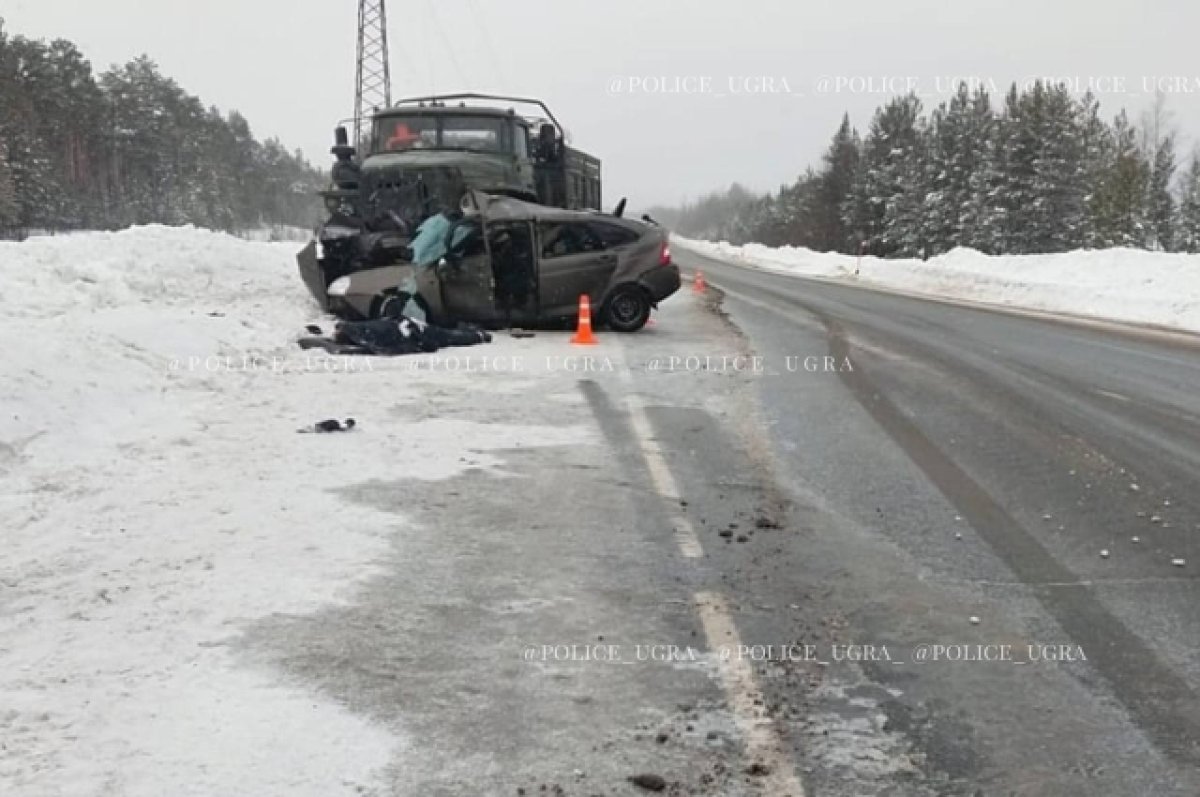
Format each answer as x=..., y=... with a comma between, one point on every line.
x=478, y=133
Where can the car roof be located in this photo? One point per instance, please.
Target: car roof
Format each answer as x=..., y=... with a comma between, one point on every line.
x=500, y=208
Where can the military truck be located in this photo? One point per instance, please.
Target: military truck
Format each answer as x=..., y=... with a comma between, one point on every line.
x=421, y=155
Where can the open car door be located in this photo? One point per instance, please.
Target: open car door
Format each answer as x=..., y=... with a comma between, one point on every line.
x=460, y=286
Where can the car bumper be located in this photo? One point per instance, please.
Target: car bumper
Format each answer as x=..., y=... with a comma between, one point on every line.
x=661, y=282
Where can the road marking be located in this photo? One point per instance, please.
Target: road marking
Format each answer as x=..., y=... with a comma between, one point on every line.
x=1112, y=395
x=660, y=473
x=763, y=743
x=664, y=482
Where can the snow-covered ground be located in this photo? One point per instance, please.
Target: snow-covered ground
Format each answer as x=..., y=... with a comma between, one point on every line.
x=1127, y=285
x=157, y=499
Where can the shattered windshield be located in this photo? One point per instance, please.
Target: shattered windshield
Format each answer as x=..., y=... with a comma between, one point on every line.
x=477, y=133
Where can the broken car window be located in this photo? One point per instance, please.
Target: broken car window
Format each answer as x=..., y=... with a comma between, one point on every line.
x=562, y=239
x=612, y=234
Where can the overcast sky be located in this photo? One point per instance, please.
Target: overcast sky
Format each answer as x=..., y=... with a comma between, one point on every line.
x=677, y=98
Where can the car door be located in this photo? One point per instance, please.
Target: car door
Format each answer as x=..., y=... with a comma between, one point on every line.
x=573, y=261
x=465, y=276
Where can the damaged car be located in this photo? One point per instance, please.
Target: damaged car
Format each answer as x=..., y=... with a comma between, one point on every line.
x=501, y=261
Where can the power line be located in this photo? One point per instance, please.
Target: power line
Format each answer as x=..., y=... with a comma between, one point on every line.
x=446, y=43
x=477, y=15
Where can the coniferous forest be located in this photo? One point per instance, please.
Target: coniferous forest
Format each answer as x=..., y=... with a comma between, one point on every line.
x=80, y=150
x=1043, y=172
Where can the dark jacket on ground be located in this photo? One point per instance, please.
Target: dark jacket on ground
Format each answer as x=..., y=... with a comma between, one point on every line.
x=403, y=335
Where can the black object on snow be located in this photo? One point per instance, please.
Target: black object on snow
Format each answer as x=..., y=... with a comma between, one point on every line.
x=331, y=426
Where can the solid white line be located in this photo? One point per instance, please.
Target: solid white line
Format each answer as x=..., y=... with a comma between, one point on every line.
x=762, y=741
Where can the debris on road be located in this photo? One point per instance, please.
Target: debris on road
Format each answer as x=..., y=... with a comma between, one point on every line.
x=1104, y=554
x=330, y=425
x=973, y=620
x=649, y=782
x=1179, y=562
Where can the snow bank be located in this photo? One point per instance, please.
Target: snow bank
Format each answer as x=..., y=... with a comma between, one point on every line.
x=1127, y=285
x=156, y=500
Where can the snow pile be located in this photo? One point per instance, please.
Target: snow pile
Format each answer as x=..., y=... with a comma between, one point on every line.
x=157, y=500
x=1127, y=285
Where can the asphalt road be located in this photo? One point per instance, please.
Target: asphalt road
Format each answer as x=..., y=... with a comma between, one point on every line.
x=971, y=479
x=815, y=540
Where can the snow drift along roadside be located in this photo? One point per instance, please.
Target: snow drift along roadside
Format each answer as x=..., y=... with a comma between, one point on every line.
x=1126, y=285
x=157, y=500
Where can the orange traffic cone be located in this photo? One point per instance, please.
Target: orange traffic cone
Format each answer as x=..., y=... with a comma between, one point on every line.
x=583, y=334
x=699, y=285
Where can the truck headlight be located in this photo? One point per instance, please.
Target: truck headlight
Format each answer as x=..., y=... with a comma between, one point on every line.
x=339, y=287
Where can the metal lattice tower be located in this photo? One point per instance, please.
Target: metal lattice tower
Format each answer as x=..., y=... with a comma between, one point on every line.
x=373, y=87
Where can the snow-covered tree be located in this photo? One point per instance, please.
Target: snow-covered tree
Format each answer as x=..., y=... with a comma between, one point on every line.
x=131, y=147
x=885, y=171
x=1187, y=223
x=962, y=146
x=1160, y=205
x=832, y=188
x=1119, y=205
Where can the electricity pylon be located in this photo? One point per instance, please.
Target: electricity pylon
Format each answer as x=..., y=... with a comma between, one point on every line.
x=373, y=87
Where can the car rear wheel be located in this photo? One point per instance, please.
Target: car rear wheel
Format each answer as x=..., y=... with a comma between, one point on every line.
x=628, y=309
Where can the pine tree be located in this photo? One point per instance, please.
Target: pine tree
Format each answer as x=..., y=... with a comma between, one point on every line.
x=1119, y=207
x=1160, y=205
x=911, y=211
x=131, y=147
x=962, y=144
x=8, y=193
x=832, y=189
x=1187, y=224
x=882, y=173
x=1098, y=150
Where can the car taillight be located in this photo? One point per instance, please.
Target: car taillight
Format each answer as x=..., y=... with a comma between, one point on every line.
x=664, y=255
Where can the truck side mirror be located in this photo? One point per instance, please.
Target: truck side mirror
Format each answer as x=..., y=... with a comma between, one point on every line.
x=341, y=145
x=548, y=142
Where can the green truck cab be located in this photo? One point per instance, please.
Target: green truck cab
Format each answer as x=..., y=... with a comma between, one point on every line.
x=420, y=157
